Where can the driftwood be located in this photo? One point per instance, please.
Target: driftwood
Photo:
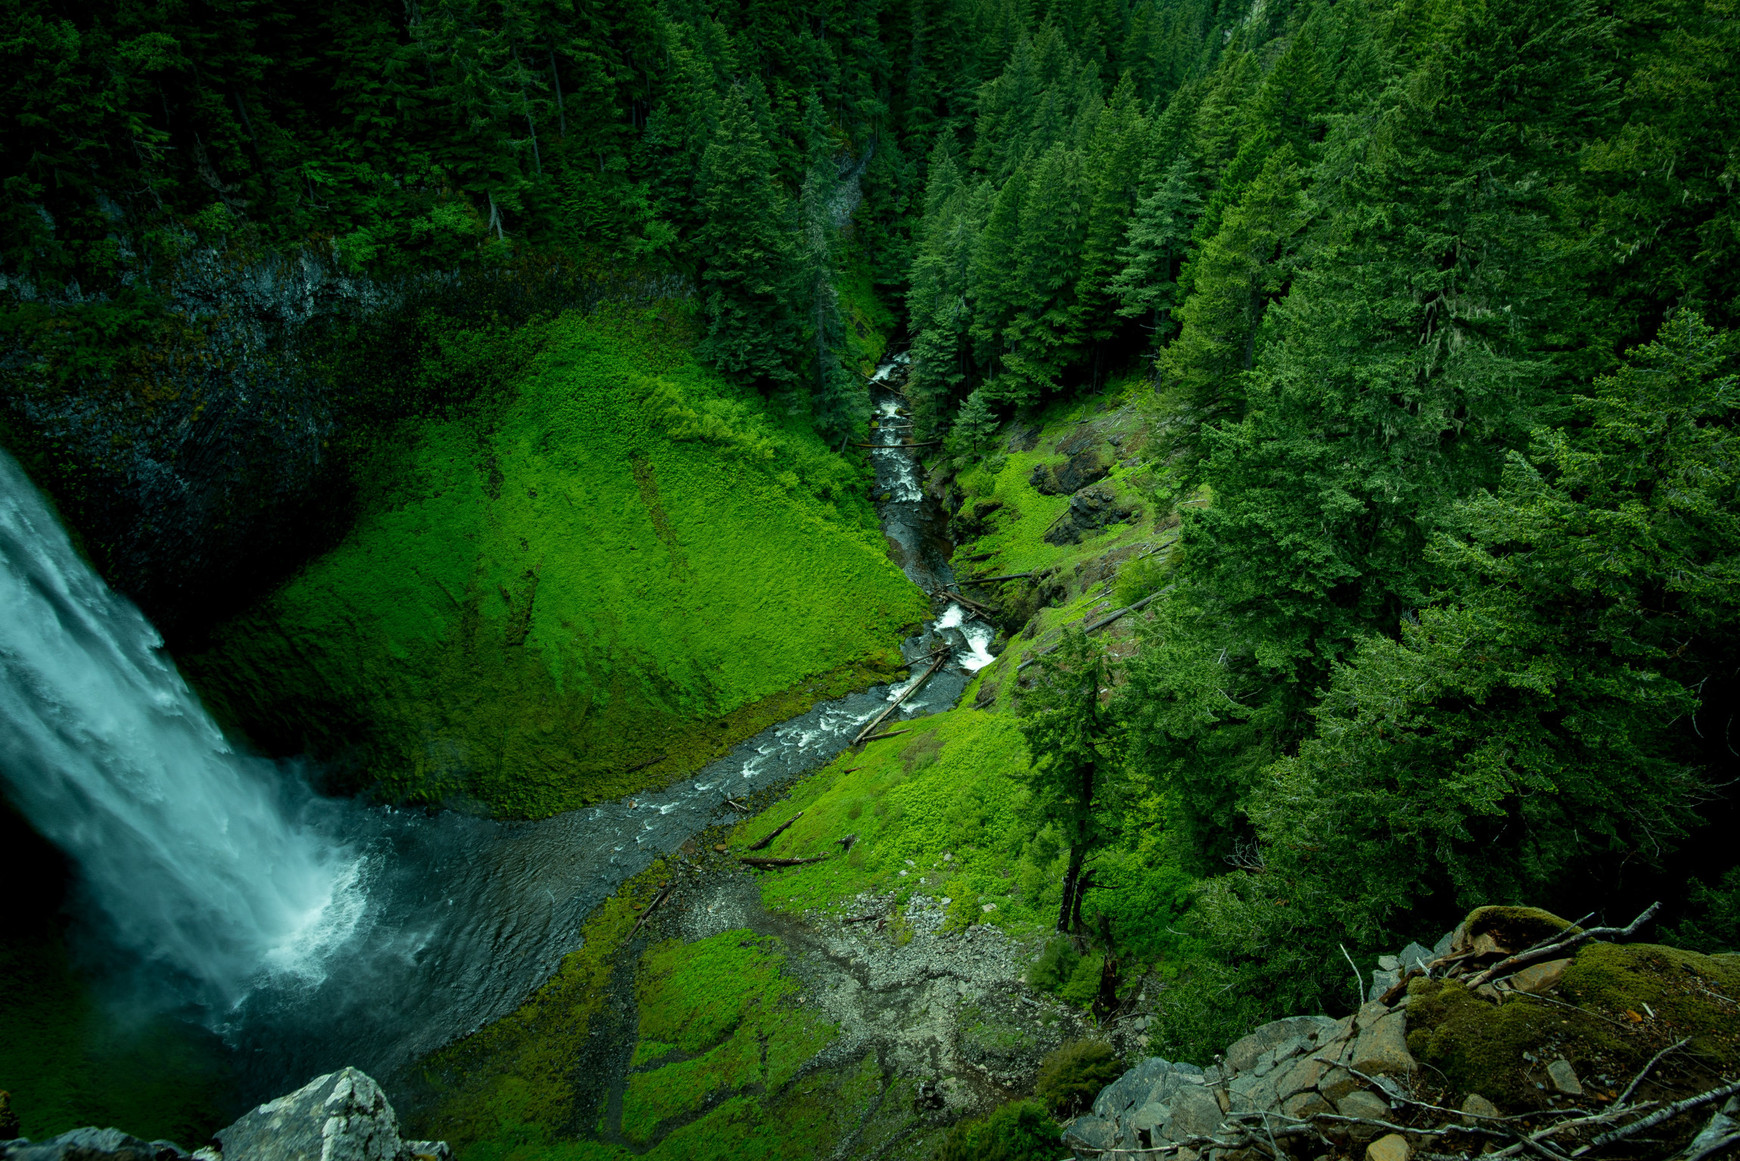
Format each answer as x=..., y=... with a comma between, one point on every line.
x=1100, y=624
x=779, y=830
x=960, y=598
x=1558, y=947
x=864, y=734
x=768, y=863
x=736, y=805
x=664, y=893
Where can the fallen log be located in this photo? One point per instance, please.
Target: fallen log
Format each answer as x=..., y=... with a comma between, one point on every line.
x=1099, y=624
x=931, y=443
x=985, y=580
x=736, y=805
x=768, y=863
x=879, y=737
x=779, y=830
x=863, y=734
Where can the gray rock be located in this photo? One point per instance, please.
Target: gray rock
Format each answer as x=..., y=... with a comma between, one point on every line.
x=1306, y=1104
x=1195, y=1113
x=1363, y=1103
x=1093, y=1133
x=342, y=1116
x=1304, y=1074
x=1564, y=1077
x=1382, y=1048
x=92, y=1145
x=1442, y=947
x=1252, y=1094
x=1415, y=958
x=1242, y=1054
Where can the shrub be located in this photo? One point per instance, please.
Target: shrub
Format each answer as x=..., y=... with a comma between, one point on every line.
x=1072, y=1076
x=1018, y=1131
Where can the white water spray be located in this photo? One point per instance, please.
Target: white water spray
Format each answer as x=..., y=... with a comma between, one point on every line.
x=197, y=854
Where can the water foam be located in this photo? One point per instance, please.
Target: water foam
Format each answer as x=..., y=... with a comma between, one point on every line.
x=208, y=861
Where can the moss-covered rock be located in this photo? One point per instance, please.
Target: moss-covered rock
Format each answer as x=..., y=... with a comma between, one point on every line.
x=603, y=584
x=1617, y=1006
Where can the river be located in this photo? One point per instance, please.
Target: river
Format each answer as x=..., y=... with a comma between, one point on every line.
x=312, y=933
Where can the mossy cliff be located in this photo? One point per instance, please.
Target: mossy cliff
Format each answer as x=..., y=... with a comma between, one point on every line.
x=591, y=586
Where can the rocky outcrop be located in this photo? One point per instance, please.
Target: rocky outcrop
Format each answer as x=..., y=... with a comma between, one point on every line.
x=1089, y=510
x=1297, y=1067
x=1077, y=472
x=342, y=1116
x=1459, y=1050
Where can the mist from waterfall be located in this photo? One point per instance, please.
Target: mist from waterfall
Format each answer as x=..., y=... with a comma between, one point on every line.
x=207, y=862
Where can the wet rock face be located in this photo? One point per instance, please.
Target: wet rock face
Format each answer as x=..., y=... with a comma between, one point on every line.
x=1089, y=510
x=1081, y=469
x=91, y=1145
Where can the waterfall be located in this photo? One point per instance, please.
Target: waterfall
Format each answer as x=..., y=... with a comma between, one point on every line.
x=210, y=863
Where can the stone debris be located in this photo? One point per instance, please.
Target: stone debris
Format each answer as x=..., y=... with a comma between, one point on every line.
x=1564, y=1077
x=1394, y=1147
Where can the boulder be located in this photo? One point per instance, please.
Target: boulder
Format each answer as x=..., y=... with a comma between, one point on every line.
x=1095, y=1134
x=1242, y=1055
x=1195, y=1113
x=1564, y=1077
x=1478, y=1106
x=342, y=1116
x=1382, y=1047
x=1394, y=1147
x=92, y=1145
x=1540, y=977
x=1080, y=470
x=1089, y=510
x=1363, y=1103
x=1306, y=1104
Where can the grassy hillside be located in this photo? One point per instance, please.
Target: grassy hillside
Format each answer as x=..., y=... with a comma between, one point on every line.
x=595, y=586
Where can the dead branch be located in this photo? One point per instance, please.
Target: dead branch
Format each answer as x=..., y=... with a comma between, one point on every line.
x=1100, y=624
x=1653, y=1061
x=879, y=737
x=777, y=831
x=1665, y=1113
x=1556, y=948
x=987, y=580
x=736, y=805
x=766, y=863
x=863, y=734
x=664, y=893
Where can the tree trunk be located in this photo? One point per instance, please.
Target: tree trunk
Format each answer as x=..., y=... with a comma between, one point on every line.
x=1071, y=906
x=561, y=110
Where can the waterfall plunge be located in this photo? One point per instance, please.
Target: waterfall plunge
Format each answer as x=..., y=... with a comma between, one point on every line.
x=203, y=859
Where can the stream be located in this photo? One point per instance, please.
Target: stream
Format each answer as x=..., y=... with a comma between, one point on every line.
x=311, y=933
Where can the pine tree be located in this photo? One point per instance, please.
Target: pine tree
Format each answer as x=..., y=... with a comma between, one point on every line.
x=746, y=242
x=1155, y=246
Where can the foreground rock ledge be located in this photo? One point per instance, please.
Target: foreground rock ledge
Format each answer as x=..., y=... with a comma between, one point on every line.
x=342, y=1116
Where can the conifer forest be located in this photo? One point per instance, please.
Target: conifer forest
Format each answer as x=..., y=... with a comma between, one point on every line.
x=1133, y=509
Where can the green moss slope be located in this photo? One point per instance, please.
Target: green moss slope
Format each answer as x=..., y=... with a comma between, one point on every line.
x=623, y=569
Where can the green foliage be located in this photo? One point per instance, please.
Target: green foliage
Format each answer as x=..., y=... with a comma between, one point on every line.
x=1074, y=740
x=1713, y=922
x=1017, y=1131
x=1066, y=973
x=458, y=644
x=1070, y=1077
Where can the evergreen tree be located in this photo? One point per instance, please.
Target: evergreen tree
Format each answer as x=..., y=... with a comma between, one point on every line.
x=1074, y=740
x=746, y=242
x=1155, y=247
